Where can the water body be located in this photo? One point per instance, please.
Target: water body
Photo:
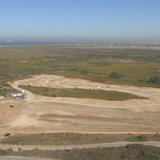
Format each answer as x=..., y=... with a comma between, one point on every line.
x=23, y=43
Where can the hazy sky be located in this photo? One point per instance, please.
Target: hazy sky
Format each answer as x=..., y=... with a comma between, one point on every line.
x=80, y=20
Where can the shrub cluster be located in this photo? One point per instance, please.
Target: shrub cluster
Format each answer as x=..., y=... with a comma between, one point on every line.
x=154, y=80
x=83, y=71
x=114, y=75
x=140, y=138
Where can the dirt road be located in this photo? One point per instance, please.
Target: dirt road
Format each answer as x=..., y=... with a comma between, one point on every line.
x=54, y=81
x=69, y=147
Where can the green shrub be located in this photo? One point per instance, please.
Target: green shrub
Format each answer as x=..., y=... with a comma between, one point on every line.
x=134, y=146
x=2, y=152
x=125, y=155
x=146, y=155
x=95, y=155
x=154, y=80
x=114, y=75
x=5, y=84
x=137, y=138
x=83, y=71
x=143, y=137
x=10, y=150
x=53, y=95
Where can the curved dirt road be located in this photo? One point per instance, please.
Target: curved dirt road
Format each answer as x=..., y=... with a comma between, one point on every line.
x=153, y=104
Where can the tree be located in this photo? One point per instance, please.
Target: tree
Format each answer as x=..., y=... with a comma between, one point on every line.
x=154, y=80
x=114, y=75
x=83, y=71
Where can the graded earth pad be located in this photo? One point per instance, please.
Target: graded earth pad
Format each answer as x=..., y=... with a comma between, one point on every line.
x=39, y=113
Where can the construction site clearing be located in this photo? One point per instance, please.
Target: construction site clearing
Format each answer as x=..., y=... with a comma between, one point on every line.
x=36, y=113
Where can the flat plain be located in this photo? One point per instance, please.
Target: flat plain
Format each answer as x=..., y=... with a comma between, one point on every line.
x=53, y=65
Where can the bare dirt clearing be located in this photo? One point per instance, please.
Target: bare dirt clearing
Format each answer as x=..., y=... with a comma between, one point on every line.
x=39, y=113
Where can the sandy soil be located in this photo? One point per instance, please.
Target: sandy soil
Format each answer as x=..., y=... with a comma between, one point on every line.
x=39, y=113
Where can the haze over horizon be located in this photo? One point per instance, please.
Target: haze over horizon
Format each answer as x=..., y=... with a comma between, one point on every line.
x=86, y=21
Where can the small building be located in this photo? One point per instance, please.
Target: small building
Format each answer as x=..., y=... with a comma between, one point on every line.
x=17, y=95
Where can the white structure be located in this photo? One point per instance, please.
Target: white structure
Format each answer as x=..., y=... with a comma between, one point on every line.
x=14, y=95
x=23, y=91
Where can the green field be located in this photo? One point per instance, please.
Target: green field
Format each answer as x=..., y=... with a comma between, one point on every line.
x=81, y=93
x=136, y=66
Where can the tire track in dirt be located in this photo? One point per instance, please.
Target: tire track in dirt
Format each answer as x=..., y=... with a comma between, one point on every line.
x=153, y=104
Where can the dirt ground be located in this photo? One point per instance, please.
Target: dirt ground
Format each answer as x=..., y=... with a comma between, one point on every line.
x=39, y=113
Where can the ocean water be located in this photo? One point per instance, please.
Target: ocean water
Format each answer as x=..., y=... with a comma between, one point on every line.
x=9, y=44
x=22, y=43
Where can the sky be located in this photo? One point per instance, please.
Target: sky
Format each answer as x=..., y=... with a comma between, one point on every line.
x=79, y=21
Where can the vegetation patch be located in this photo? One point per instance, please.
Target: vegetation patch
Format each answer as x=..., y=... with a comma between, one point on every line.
x=83, y=71
x=129, y=152
x=5, y=89
x=147, y=155
x=95, y=64
x=81, y=93
x=95, y=155
x=2, y=152
x=114, y=75
x=73, y=138
x=154, y=80
x=139, y=138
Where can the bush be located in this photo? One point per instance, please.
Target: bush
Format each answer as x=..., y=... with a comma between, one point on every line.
x=2, y=152
x=83, y=71
x=137, y=138
x=95, y=155
x=114, y=75
x=143, y=137
x=53, y=95
x=5, y=84
x=146, y=155
x=154, y=80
